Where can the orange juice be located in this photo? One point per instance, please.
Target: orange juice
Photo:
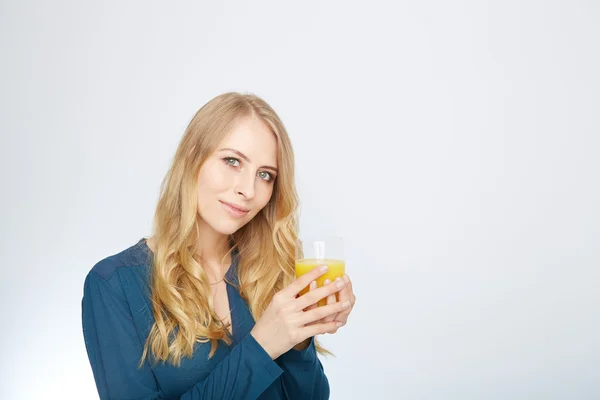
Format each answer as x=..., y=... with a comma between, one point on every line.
x=337, y=268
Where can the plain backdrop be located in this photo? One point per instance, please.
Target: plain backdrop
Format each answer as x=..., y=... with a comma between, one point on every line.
x=454, y=145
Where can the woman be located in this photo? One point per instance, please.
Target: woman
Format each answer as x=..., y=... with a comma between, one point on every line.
x=208, y=307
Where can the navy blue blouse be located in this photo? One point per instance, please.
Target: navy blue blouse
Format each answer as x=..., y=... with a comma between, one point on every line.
x=117, y=317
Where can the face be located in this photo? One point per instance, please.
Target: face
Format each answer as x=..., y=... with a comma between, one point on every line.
x=237, y=180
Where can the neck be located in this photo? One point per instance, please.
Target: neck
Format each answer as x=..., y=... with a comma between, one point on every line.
x=213, y=246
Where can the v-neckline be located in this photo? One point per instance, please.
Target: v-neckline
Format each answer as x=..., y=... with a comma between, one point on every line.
x=230, y=275
x=232, y=317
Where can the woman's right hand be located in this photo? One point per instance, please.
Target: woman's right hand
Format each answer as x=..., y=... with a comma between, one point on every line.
x=285, y=323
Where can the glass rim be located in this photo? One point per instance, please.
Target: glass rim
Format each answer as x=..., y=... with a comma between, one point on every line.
x=320, y=247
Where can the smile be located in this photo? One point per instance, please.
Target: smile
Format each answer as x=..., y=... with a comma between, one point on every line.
x=234, y=210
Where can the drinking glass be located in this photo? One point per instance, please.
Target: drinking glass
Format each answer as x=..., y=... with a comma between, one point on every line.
x=312, y=252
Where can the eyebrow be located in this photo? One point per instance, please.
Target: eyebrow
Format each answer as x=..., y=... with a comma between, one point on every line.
x=242, y=155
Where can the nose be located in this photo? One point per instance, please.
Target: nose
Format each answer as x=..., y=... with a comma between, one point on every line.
x=245, y=185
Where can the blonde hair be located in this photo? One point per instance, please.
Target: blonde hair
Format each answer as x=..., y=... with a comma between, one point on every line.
x=182, y=306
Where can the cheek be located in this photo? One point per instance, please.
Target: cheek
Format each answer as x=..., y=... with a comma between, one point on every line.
x=213, y=179
x=264, y=196
x=212, y=182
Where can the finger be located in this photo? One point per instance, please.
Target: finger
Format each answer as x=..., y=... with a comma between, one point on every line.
x=314, y=296
x=330, y=300
x=343, y=316
x=313, y=286
x=303, y=281
x=348, y=296
x=331, y=332
x=322, y=312
x=319, y=329
x=345, y=294
x=348, y=283
x=314, y=305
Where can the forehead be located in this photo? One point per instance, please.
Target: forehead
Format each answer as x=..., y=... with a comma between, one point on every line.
x=254, y=138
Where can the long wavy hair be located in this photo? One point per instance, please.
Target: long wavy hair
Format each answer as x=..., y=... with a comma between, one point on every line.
x=182, y=305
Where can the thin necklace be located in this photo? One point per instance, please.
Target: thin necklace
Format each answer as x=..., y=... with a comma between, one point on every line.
x=214, y=283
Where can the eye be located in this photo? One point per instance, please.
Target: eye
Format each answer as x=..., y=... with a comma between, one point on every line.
x=234, y=162
x=265, y=176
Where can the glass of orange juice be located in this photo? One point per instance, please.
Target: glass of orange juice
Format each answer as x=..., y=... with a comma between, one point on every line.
x=312, y=252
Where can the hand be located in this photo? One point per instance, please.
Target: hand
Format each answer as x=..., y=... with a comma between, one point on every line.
x=285, y=323
x=345, y=295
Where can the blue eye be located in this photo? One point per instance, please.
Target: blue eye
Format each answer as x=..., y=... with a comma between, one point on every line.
x=265, y=175
x=234, y=162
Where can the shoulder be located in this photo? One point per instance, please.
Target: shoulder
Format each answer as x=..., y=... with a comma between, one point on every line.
x=111, y=285
x=134, y=256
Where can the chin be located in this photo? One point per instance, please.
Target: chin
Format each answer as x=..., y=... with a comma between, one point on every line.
x=227, y=227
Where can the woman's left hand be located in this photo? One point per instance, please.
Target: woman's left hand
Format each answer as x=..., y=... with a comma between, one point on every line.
x=346, y=294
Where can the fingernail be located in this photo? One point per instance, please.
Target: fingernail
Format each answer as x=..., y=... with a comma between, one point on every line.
x=324, y=268
x=338, y=324
x=345, y=304
x=327, y=282
x=339, y=284
x=313, y=285
x=346, y=278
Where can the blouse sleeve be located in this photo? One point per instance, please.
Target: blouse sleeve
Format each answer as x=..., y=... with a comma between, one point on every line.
x=303, y=376
x=114, y=350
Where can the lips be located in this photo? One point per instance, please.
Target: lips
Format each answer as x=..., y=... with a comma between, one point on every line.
x=234, y=209
x=235, y=206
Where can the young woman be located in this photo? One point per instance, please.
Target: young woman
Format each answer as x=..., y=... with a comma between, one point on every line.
x=208, y=307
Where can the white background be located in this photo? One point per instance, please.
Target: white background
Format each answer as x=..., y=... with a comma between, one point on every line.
x=454, y=145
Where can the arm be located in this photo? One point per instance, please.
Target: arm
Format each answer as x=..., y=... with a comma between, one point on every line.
x=303, y=373
x=114, y=350
x=303, y=376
